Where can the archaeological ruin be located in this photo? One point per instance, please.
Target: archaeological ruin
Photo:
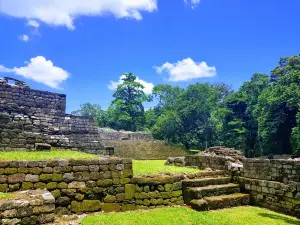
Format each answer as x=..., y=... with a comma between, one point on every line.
x=32, y=120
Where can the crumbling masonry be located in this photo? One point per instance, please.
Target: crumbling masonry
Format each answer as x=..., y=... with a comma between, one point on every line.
x=30, y=116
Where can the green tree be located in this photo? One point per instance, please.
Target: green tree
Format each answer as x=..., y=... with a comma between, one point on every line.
x=241, y=125
x=278, y=108
x=126, y=110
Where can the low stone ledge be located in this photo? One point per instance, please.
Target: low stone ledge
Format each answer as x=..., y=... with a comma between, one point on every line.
x=28, y=207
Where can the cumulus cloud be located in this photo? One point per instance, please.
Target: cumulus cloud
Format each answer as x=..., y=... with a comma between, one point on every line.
x=24, y=38
x=186, y=69
x=40, y=70
x=148, y=87
x=64, y=12
x=193, y=3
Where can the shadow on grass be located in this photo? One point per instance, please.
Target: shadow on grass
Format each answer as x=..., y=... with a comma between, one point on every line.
x=283, y=218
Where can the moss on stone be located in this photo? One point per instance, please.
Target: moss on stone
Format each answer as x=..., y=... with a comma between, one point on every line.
x=86, y=206
x=40, y=185
x=177, y=186
x=62, y=185
x=153, y=201
x=3, y=187
x=10, y=171
x=129, y=191
x=115, y=174
x=168, y=187
x=166, y=194
x=128, y=207
x=124, y=180
x=146, y=188
x=141, y=195
x=51, y=185
x=160, y=188
x=138, y=189
x=166, y=201
x=46, y=177
x=94, y=175
x=111, y=207
x=177, y=193
x=146, y=202
x=22, y=170
x=57, y=177
x=97, y=190
x=35, y=170
x=116, y=181
x=126, y=173
x=79, y=197
x=56, y=193
x=139, y=202
x=110, y=199
x=14, y=187
x=105, y=182
x=120, y=197
x=27, y=186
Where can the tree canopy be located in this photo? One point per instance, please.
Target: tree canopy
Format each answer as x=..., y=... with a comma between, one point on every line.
x=262, y=117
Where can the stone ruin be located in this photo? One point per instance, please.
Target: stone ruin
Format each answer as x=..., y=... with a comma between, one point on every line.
x=29, y=117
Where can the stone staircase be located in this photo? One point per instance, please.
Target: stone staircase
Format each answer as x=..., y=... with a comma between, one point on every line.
x=213, y=193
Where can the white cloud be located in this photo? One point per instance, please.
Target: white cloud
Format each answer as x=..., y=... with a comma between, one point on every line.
x=148, y=87
x=40, y=70
x=186, y=69
x=33, y=23
x=193, y=3
x=64, y=12
x=24, y=37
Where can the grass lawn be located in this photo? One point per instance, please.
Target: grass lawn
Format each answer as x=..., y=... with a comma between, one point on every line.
x=157, y=166
x=54, y=154
x=185, y=216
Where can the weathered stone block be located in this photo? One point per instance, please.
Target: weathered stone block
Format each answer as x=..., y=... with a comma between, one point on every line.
x=128, y=207
x=129, y=191
x=46, y=177
x=27, y=186
x=76, y=185
x=110, y=199
x=86, y=206
x=104, y=183
x=16, y=178
x=111, y=207
x=62, y=185
x=31, y=178
x=43, y=209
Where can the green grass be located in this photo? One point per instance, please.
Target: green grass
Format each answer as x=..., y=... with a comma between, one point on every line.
x=54, y=154
x=157, y=166
x=185, y=216
x=5, y=195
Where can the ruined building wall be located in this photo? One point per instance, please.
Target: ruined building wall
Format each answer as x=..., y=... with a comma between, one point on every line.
x=274, y=184
x=29, y=116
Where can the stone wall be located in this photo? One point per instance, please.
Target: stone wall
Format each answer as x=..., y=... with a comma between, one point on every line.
x=206, y=161
x=30, y=116
x=143, y=149
x=110, y=134
x=104, y=184
x=274, y=184
x=28, y=207
x=78, y=185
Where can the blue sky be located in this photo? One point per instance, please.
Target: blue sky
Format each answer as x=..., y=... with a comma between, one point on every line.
x=80, y=50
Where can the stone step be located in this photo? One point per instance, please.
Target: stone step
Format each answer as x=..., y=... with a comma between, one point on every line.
x=220, y=202
x=205, y=181
x=212, y=190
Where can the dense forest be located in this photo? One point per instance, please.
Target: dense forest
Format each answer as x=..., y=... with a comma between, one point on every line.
x=262, y=117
